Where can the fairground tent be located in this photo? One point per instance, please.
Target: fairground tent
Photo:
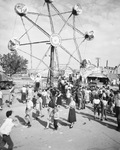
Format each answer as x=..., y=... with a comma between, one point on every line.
x=98, y=76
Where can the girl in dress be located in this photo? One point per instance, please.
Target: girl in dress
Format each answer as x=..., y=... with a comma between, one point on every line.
x=72, y=113
x=39, y=106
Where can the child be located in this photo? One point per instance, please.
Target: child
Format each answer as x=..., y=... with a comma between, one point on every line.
x=28, y=110
x=12, y=95
x=49, y=117
x=39, y=106
x=6, y=129
x=56, y=117
x=34, y=99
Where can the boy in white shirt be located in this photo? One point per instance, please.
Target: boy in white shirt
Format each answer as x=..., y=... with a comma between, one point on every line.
x=6, y=128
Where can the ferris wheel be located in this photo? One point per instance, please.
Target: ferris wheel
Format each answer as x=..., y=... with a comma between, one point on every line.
x=54, y=39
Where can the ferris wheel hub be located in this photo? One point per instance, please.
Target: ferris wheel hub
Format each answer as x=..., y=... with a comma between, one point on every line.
x=55, y=40
x=21, y=9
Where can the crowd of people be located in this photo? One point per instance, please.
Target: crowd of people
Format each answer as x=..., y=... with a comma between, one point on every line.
x=71, y=95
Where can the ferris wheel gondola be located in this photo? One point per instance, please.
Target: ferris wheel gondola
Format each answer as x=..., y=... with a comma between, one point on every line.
x=77, y=10
x=21, y=9
x=89, y=36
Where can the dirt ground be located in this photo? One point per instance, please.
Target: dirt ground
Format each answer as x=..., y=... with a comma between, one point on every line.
x=87, y=133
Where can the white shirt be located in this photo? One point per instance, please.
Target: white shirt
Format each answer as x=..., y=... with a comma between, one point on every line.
x=7, y=126
x=44, y=93
x=24, y=89
x=96, y=101
x=37, y=79
x=56, y=115
x=39, y=103
x=72, y=104
x=62, y=82
x=104, y=102
x=29, y=104
x=68, y=94
x=30, y=92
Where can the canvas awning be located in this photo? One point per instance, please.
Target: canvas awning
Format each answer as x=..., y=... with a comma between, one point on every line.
x=98, y=75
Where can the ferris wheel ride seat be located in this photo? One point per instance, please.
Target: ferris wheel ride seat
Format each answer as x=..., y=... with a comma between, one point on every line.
x=49, y=1
x=21, y=9
x=76, y=10
x=13, y=44
x=89, y=36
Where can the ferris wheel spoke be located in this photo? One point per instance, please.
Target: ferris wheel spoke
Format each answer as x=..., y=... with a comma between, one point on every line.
x=63, y=13
x=65, y=20
x=71, y=39
x=35, y=13
x=68, y=53
x=69, y=59
x=37, y=26
x=65, y=23
x=75, y=41
x=51, y=21
x=73, y=54
x=36, y=58
x=22, y=44
x=28, y=39
x=57, y=58
x=43, y=57
x=29, y=28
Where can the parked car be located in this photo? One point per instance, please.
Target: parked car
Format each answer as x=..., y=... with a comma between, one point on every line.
x=6, y=82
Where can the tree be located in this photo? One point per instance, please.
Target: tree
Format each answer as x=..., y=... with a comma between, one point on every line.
x=13, y=63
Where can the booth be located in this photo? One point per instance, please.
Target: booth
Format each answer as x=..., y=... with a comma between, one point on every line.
x=99, y=78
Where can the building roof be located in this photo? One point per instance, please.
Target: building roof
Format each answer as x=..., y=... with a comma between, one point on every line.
x=112, y=76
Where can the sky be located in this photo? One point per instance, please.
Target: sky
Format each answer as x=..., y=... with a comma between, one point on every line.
x=100, y=16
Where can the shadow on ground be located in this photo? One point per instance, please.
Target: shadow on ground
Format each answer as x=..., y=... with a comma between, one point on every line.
x=21, y=120
x=42, y=122
x=64, y=122
x=106, y=123
x=19, y=100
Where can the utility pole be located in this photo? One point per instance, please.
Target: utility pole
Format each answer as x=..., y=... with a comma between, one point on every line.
x=98, y=61
x=107, y=64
